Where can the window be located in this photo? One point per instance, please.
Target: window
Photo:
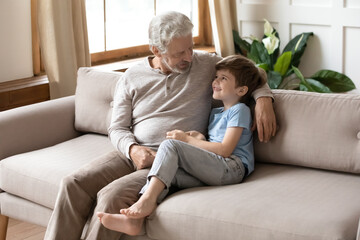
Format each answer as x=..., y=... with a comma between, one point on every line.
x=120, y=28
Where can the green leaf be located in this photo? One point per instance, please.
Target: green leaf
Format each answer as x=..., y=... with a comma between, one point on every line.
x=297, y=46
x=283, y=62
x=290, y=82
x=310, y=85
x=298, y=73
x=335, y=81
x=241, y=46
x=317, y=86
x=259, y=54
x=274, y=79
x=304, y=86
x=263, y=66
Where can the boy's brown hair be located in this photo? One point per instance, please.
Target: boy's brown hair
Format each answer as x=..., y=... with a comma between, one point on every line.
x=246, y=73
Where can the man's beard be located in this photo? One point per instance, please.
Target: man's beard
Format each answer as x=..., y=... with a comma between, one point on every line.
x=176, y=69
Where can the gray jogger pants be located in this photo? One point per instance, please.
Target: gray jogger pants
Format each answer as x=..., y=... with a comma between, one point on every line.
x=183, y=165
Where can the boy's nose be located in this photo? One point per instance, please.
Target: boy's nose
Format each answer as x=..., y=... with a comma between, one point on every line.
x=215, y=80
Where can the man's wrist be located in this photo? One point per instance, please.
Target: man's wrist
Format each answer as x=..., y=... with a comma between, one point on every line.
x=129, y=150
x=264, y=99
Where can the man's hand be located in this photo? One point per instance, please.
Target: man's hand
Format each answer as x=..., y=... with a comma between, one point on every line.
x=196, y=135
x=178, y=135
x=264, y=119
x=143, y=157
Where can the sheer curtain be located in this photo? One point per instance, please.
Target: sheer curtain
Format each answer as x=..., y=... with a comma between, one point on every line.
x=63, y=42
x=223, y=13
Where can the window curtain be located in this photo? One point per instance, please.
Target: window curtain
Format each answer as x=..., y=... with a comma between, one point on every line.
x=63, y=43
x=222, y=14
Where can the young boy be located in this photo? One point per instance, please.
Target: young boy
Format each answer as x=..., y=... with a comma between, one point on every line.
x=187, y=160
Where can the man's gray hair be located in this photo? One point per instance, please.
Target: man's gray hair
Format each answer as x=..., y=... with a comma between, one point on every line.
x=164, y=27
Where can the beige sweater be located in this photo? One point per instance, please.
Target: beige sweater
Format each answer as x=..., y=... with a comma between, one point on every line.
x=148, y=103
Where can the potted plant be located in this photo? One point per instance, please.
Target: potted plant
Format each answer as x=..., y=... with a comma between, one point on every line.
x=282, y=69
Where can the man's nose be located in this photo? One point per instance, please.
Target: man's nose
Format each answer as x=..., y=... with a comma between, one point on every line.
x=188, y=55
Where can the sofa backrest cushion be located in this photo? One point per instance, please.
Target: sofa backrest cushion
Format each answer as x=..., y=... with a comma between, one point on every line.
x=93, y=99
x=315, y=130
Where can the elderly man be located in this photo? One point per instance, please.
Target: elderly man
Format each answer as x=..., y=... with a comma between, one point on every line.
x=170, y=90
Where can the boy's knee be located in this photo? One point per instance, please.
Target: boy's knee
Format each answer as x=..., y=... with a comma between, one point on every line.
x=170, y=144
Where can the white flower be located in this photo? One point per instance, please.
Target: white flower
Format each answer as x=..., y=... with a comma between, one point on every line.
x=268, y=29
x=271, y=43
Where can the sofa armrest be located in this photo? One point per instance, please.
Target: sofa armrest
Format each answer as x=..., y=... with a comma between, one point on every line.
x=37, y=126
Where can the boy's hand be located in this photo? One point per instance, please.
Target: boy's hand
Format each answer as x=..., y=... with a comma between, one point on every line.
x=196, y=135
x=178, y=135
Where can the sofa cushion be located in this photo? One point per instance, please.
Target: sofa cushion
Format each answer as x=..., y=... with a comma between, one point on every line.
x=275, y=202
x=93, y=99
x=315, y=130
x=36, y=175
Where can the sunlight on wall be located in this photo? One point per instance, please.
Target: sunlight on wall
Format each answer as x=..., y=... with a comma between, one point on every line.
x=15, y=40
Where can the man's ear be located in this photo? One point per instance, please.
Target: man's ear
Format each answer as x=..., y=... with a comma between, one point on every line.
x=156, y=51
x=241, y=91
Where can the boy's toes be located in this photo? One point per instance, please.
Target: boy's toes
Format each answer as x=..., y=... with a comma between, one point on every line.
x=131, y=213
x=124, y=211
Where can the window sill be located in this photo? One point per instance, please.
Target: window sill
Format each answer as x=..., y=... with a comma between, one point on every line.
x=31, y=90
x=23, y=92
x=121, y=66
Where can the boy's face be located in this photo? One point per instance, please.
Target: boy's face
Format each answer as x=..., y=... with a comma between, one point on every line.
x=224, y=88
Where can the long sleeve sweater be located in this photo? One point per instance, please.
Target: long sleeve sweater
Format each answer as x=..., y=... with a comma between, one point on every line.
x=149, y=103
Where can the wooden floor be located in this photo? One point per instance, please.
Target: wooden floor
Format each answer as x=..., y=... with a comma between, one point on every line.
x=18, y=230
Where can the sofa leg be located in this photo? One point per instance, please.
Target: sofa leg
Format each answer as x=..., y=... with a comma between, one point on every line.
x=3, y=226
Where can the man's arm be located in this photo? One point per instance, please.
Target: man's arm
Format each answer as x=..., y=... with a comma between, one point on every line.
x=120, y=132
x=264, y=119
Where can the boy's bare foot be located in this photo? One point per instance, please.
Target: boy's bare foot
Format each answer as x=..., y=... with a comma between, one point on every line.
x=121, y=223
x=142, y=208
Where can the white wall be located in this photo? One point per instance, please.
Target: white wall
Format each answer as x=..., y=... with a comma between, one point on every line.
x=335, y=24
x=15, y=40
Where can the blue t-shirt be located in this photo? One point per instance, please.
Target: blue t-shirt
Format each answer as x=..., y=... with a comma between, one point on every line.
x=238, y=115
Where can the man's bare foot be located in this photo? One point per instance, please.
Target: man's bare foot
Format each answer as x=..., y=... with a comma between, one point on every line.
x=121, y=223
x=142, y=208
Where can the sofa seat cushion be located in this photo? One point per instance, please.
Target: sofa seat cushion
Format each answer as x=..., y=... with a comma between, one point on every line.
x=275, y=202
x=36, y=175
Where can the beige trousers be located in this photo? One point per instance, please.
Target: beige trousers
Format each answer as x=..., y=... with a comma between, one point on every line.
x=105, y=185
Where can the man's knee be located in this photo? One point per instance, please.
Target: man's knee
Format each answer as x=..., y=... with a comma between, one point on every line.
x=67, y=183
x=122, y=192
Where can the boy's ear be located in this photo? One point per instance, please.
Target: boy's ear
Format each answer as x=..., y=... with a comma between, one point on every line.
x=241, y=91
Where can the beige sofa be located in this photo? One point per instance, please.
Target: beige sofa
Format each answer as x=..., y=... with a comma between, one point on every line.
x=306, y=184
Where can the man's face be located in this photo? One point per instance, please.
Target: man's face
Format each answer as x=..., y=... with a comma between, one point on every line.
x=179, y=54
